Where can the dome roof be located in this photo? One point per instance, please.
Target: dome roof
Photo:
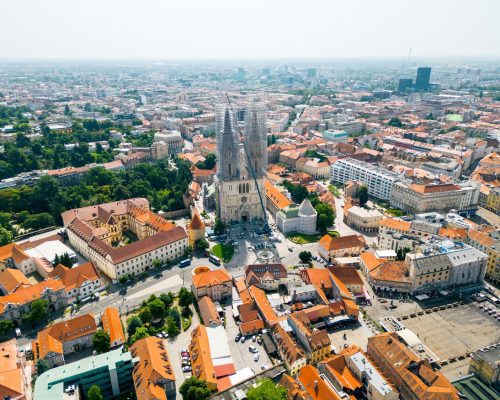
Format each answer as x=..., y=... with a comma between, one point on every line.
x=306, y=208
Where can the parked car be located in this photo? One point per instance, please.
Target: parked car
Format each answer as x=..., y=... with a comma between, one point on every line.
x=237, y=337
x=256, y=357
x=243, y=339
x=254, y=338
x=186, y=369
x=264, y=367
x=252, y=349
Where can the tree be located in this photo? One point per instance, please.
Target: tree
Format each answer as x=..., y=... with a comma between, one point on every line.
x=299, y=193
x=5, y=327
x=157, y=308
x=132, y=324
x=94, y=393
x=209, y=163
x=305, y=257
x=363, y=194
x=267, y=390
x=201, y=244
x=326, y=216
x=39, y=310
x=185, y=297
x=145, y=314
x=401, y=253
x=140, y=333
x=172, y=327
x=42, y=365
x=101, y=341
x=186, y=312
x=396, y=122
x=67, y=111
x=194, y=389
x=5, y=236
x=219, y=227
x=174, y=314
x=66, y=260
x=167, y=299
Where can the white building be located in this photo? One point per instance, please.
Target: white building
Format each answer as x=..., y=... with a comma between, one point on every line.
x=174, y=140
x=301, y=219
x=363, y=219
x=378, y=180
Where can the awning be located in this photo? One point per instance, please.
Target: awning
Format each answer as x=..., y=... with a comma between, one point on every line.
x=422, y=297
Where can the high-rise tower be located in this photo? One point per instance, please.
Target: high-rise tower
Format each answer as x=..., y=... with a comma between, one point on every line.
x=422, y=83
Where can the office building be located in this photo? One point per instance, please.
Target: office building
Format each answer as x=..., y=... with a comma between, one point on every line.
x=405, y=85
x=422, y=83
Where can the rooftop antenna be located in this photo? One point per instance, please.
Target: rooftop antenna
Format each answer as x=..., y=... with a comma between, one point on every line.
x=409, y=57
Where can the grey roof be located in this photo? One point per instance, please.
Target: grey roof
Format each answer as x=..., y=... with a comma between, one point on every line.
x=306, y=208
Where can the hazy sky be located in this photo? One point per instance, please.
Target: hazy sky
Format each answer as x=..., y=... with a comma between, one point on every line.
x=173, y=29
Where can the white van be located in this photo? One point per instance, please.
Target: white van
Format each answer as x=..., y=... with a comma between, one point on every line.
x=18, y=332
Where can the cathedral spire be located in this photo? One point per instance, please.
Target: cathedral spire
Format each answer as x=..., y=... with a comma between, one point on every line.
x=227, y=148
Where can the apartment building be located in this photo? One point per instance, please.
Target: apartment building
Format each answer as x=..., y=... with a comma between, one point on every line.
x=14, y=305
x=215, y=284
x=352, y=372
x=173, y=139
x=489, y=244
x=379, y=181
x=291, y=353
x=63, y=338
x=416, y=198
x=153, y=374
x=14, y=380
x=330, y=247
x=266, y=276
x=315, y=342
x=79, y=282
x=485, y=363
x=413, y=378
x=445, y=264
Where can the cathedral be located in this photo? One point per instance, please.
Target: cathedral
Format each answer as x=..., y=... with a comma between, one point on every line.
x=241, y=164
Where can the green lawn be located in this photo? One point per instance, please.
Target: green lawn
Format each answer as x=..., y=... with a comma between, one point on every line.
x=300, y=238
x=224, y=251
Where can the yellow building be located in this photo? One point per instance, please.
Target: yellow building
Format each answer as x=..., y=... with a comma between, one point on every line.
x=493, y=201
x=196, y=229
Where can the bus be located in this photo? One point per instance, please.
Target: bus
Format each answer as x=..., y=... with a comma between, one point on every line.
x=214, y=259
x=185, y=263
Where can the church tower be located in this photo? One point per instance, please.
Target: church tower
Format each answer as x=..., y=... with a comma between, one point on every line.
x=255, y=142
x=237, y=190
x=227, y=147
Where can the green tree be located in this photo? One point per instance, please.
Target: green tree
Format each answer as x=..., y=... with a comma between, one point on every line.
x=267, y=390
x=201, y=244
x=140, y=333
x=157, y=308
x=185, y=297
x=39, y=310
x=172, y=328
x=66, y=260
x=145, y=314
x=42, y=365
x=5, y=236
x=363, y=194
x=209, y=163
x=167, y=299
x=132, y=324
x=194, y=389
x=174, y=314
x=396, y=122
x=219, y=227
x=401, y=253
x=101, y=341
x=326, y=216
x=94, y=393
x=67, y=111
x=6, y=326
x=305, y=257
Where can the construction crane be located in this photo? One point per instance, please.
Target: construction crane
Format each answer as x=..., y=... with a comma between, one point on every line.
x=252, y=171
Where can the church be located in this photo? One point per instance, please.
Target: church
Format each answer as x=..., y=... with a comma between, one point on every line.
x=241, y=166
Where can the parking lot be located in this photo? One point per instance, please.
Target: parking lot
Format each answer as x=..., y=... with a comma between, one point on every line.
x=242, y=357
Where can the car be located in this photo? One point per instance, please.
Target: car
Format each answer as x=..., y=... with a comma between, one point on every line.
x=237, y=337
x=159, y=335
x=259, y=340
x=187, y=368
x=18, y=332
x=243, y=339
x=165, y=334
x=185, y=354
x=186, y=362
x=264, y=367
x=184, y=351
x=256, y=357
x=70, y=389
x=290, y=249
x=252, y=349
x=185, y=358
x=254, y=338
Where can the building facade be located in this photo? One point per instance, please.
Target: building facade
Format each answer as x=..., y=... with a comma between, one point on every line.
x=241, y=167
